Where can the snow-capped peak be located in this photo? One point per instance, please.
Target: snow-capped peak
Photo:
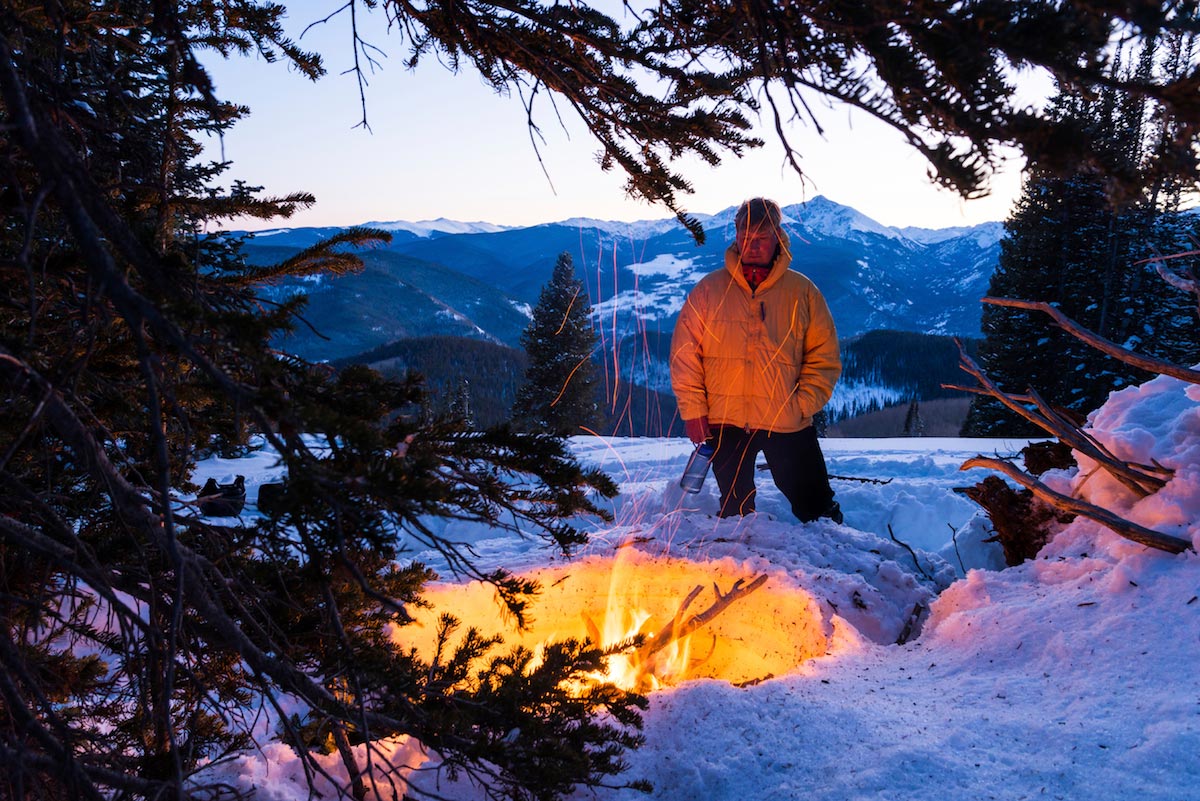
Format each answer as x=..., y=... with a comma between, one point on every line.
x=985, y=234
x=823, y=216
x=637, y=229
x=427, y=228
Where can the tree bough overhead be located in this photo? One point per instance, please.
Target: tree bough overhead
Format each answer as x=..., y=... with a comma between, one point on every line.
x=660, y=81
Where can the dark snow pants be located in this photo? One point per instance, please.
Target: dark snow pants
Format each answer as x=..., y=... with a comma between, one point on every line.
x=797, y=467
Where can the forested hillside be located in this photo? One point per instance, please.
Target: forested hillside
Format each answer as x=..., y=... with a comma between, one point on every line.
x=392, y=297
x=488, y=373
x=880, y=369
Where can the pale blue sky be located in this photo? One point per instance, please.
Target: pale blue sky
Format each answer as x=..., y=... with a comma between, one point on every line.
x=445, y=145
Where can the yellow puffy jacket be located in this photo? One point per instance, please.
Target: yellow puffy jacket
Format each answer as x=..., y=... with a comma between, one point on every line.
x=764, y=359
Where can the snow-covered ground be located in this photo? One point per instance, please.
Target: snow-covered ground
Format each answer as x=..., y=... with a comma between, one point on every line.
x=1072, y=676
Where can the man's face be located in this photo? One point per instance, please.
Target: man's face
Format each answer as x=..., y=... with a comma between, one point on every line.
x=757, y=244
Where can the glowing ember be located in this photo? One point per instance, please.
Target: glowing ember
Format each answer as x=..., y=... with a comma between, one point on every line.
x=697, y=619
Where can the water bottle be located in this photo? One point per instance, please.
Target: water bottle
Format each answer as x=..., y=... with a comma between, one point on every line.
x=697, y=468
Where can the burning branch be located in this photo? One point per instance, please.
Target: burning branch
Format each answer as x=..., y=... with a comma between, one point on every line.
x=680, y=628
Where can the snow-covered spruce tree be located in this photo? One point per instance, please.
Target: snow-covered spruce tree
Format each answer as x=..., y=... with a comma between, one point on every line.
x=134, y=632
x=1067, y=244
x=561, y=393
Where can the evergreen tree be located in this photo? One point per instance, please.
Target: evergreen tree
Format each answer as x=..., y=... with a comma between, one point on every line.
x=561, y=393
x=1067, y=244
x=914, y=426
x=496, y=371
x=460, y=404
x=134, y=631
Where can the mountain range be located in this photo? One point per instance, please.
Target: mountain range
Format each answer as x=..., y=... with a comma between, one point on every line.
x=480, y=280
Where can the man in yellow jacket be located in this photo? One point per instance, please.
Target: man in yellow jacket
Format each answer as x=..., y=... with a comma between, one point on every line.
x=753, y=358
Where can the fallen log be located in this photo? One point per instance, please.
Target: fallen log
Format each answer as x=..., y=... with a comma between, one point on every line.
x=1126, y=528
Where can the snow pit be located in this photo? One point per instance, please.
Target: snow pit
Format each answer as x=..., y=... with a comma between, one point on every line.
x=764, y=631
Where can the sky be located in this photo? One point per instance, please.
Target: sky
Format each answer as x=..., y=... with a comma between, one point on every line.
x=442, y=145
x=1070, y=676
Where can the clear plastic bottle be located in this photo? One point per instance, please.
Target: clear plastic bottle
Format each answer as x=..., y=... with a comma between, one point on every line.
x=697, y=468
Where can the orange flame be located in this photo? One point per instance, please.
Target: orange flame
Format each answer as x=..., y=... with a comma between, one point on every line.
x=765, y=633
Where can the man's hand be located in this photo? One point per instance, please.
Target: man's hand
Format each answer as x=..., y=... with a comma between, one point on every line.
x=697, y=430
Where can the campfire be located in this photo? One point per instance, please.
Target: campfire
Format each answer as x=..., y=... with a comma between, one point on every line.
x=692, y=619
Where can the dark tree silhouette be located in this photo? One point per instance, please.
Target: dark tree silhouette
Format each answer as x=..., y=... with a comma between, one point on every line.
x=561, y=393
x=684, y=78
x=1066, y=244
x=134, y=630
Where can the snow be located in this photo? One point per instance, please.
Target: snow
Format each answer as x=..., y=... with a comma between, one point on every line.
x=1070, y=676
x=427, y=228
x=855, y=397
x=654, y=299
x=824, y=216
x=635, y=231
x=985, y=234
x=664, y=264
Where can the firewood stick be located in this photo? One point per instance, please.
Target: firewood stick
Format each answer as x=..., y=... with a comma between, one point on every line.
x=679, y=628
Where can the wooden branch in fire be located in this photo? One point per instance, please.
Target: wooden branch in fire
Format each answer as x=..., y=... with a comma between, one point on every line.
x=1126, y=528
x=681, y=627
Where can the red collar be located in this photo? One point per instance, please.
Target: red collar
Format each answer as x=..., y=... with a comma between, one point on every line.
x=755, y=275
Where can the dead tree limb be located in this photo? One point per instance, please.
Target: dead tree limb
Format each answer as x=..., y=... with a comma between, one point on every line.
x=1127, y=529
x=680, y=628
x=1184, y=280
x=1142, y=479
x=1098, y=342
x=1137, y=479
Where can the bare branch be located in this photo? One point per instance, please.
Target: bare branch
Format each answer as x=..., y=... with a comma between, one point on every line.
x=1127, y=529
x=1098, y=342
x=1050, y=421
x=680, y=628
